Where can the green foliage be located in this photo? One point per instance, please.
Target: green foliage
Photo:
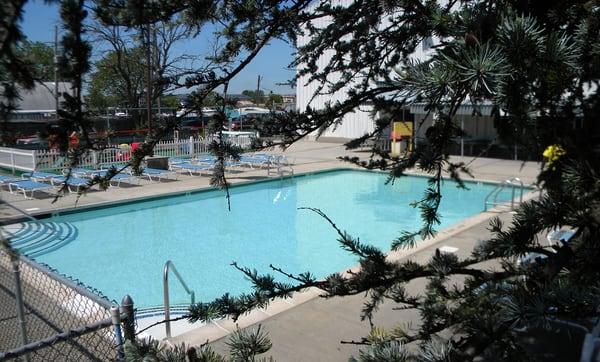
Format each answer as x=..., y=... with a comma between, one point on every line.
x=170, y=101
x=41, y=57
x=118, y=80
x=273, y=99
x=536, y=63
x=254, y=95
x=244, y=346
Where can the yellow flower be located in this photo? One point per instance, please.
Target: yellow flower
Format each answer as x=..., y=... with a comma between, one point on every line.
x=553, y=153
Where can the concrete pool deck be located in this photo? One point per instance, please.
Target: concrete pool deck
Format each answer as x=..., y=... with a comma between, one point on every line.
x=308, y=156
x=313, y=328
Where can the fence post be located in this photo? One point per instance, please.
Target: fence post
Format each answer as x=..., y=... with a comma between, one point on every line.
x=128, y=318
x=95, y=159
x=34, y=155
x=12, y=161
x=191, y=146
x=19, y=301
x=116, y=321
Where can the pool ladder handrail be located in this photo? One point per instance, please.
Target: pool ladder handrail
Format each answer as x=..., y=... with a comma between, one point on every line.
x=512, y=183
x=169, y=266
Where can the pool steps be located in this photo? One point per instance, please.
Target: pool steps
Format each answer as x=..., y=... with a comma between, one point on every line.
x=38, y=238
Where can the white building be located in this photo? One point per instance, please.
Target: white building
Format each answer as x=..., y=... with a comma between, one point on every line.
x=361, y=121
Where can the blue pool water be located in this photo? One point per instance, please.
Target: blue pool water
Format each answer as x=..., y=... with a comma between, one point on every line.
x=122, y=249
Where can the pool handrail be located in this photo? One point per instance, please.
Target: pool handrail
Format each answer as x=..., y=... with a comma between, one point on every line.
x=169, y=266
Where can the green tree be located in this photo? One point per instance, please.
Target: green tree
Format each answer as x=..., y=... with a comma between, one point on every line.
x=273, y=99
x=170, y=101
x=254, y=95
x=41, y=56
x=538, y=64
x=109, y=88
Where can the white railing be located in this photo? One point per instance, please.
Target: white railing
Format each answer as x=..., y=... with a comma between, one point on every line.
x=17, y=159
x=29, y=160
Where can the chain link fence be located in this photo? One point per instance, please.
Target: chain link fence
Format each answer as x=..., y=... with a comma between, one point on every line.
x=47, y=317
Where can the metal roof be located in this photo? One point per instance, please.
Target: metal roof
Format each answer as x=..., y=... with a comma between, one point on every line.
x=41, y=97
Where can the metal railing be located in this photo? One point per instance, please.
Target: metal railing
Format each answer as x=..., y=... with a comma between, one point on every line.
x=169, y=266
x=513, y=183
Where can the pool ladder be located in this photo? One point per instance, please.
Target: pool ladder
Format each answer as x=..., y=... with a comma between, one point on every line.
x=513, y=183
x=169, y=266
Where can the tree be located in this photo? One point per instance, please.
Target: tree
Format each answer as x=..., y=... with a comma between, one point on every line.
x=171, y=101
x=273, y=99
x=539, y=65
x=107, y=86
x=254, y=95
x=41, y=56
x=121, y=73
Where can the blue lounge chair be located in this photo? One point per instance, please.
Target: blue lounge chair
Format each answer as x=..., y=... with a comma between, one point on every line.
x=82, y=172
x=28, y=185
x=40, y=176
x=192, y=169
x=254, y=161
x=158, y=173
x=71, y=182
x=5, y=180
x=118, y=178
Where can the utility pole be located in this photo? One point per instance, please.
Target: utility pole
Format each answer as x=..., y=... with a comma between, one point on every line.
x=156, y=67
x=256, y=95
x=148, y=77
x=56, y=70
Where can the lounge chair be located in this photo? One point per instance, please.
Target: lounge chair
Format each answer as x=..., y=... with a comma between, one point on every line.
x=5, y=180
x=158, y=173
x=192, y=169
x=83, y=172
x=28, y=185
x=40, y=176
x=255, y=161
x=281, y=164
x=559, y=236
x=71, y=182
x=118, y=178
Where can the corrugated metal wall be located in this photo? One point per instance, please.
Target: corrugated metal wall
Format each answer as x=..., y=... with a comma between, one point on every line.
x=354, y=124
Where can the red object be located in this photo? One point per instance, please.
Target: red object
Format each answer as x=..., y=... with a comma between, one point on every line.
x=135, y=146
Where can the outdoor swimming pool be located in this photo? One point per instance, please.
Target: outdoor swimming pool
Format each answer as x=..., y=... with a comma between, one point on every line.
x=122, y=249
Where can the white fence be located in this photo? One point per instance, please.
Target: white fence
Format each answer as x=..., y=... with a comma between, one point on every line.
x=16, y=159
x=38, y=160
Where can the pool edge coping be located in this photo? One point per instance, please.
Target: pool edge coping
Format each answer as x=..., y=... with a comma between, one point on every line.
x=44, y=214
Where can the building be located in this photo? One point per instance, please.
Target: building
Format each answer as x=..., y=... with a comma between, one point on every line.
x=480, y=128
x=38, y=105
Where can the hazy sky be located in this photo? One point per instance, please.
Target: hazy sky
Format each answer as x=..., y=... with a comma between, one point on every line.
x=272, y=63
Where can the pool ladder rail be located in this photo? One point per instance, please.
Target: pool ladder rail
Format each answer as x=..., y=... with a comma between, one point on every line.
x=492, y=198
x=170, y=267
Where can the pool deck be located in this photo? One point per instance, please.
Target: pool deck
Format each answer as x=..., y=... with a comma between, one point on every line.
x=306, y=327
x=308, y=156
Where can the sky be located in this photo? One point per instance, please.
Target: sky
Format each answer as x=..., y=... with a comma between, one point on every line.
x=271, y=63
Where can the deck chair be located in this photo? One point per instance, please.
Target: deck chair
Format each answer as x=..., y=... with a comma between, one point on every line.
x=158, y=174
x=28, y=186
x=191, y=168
